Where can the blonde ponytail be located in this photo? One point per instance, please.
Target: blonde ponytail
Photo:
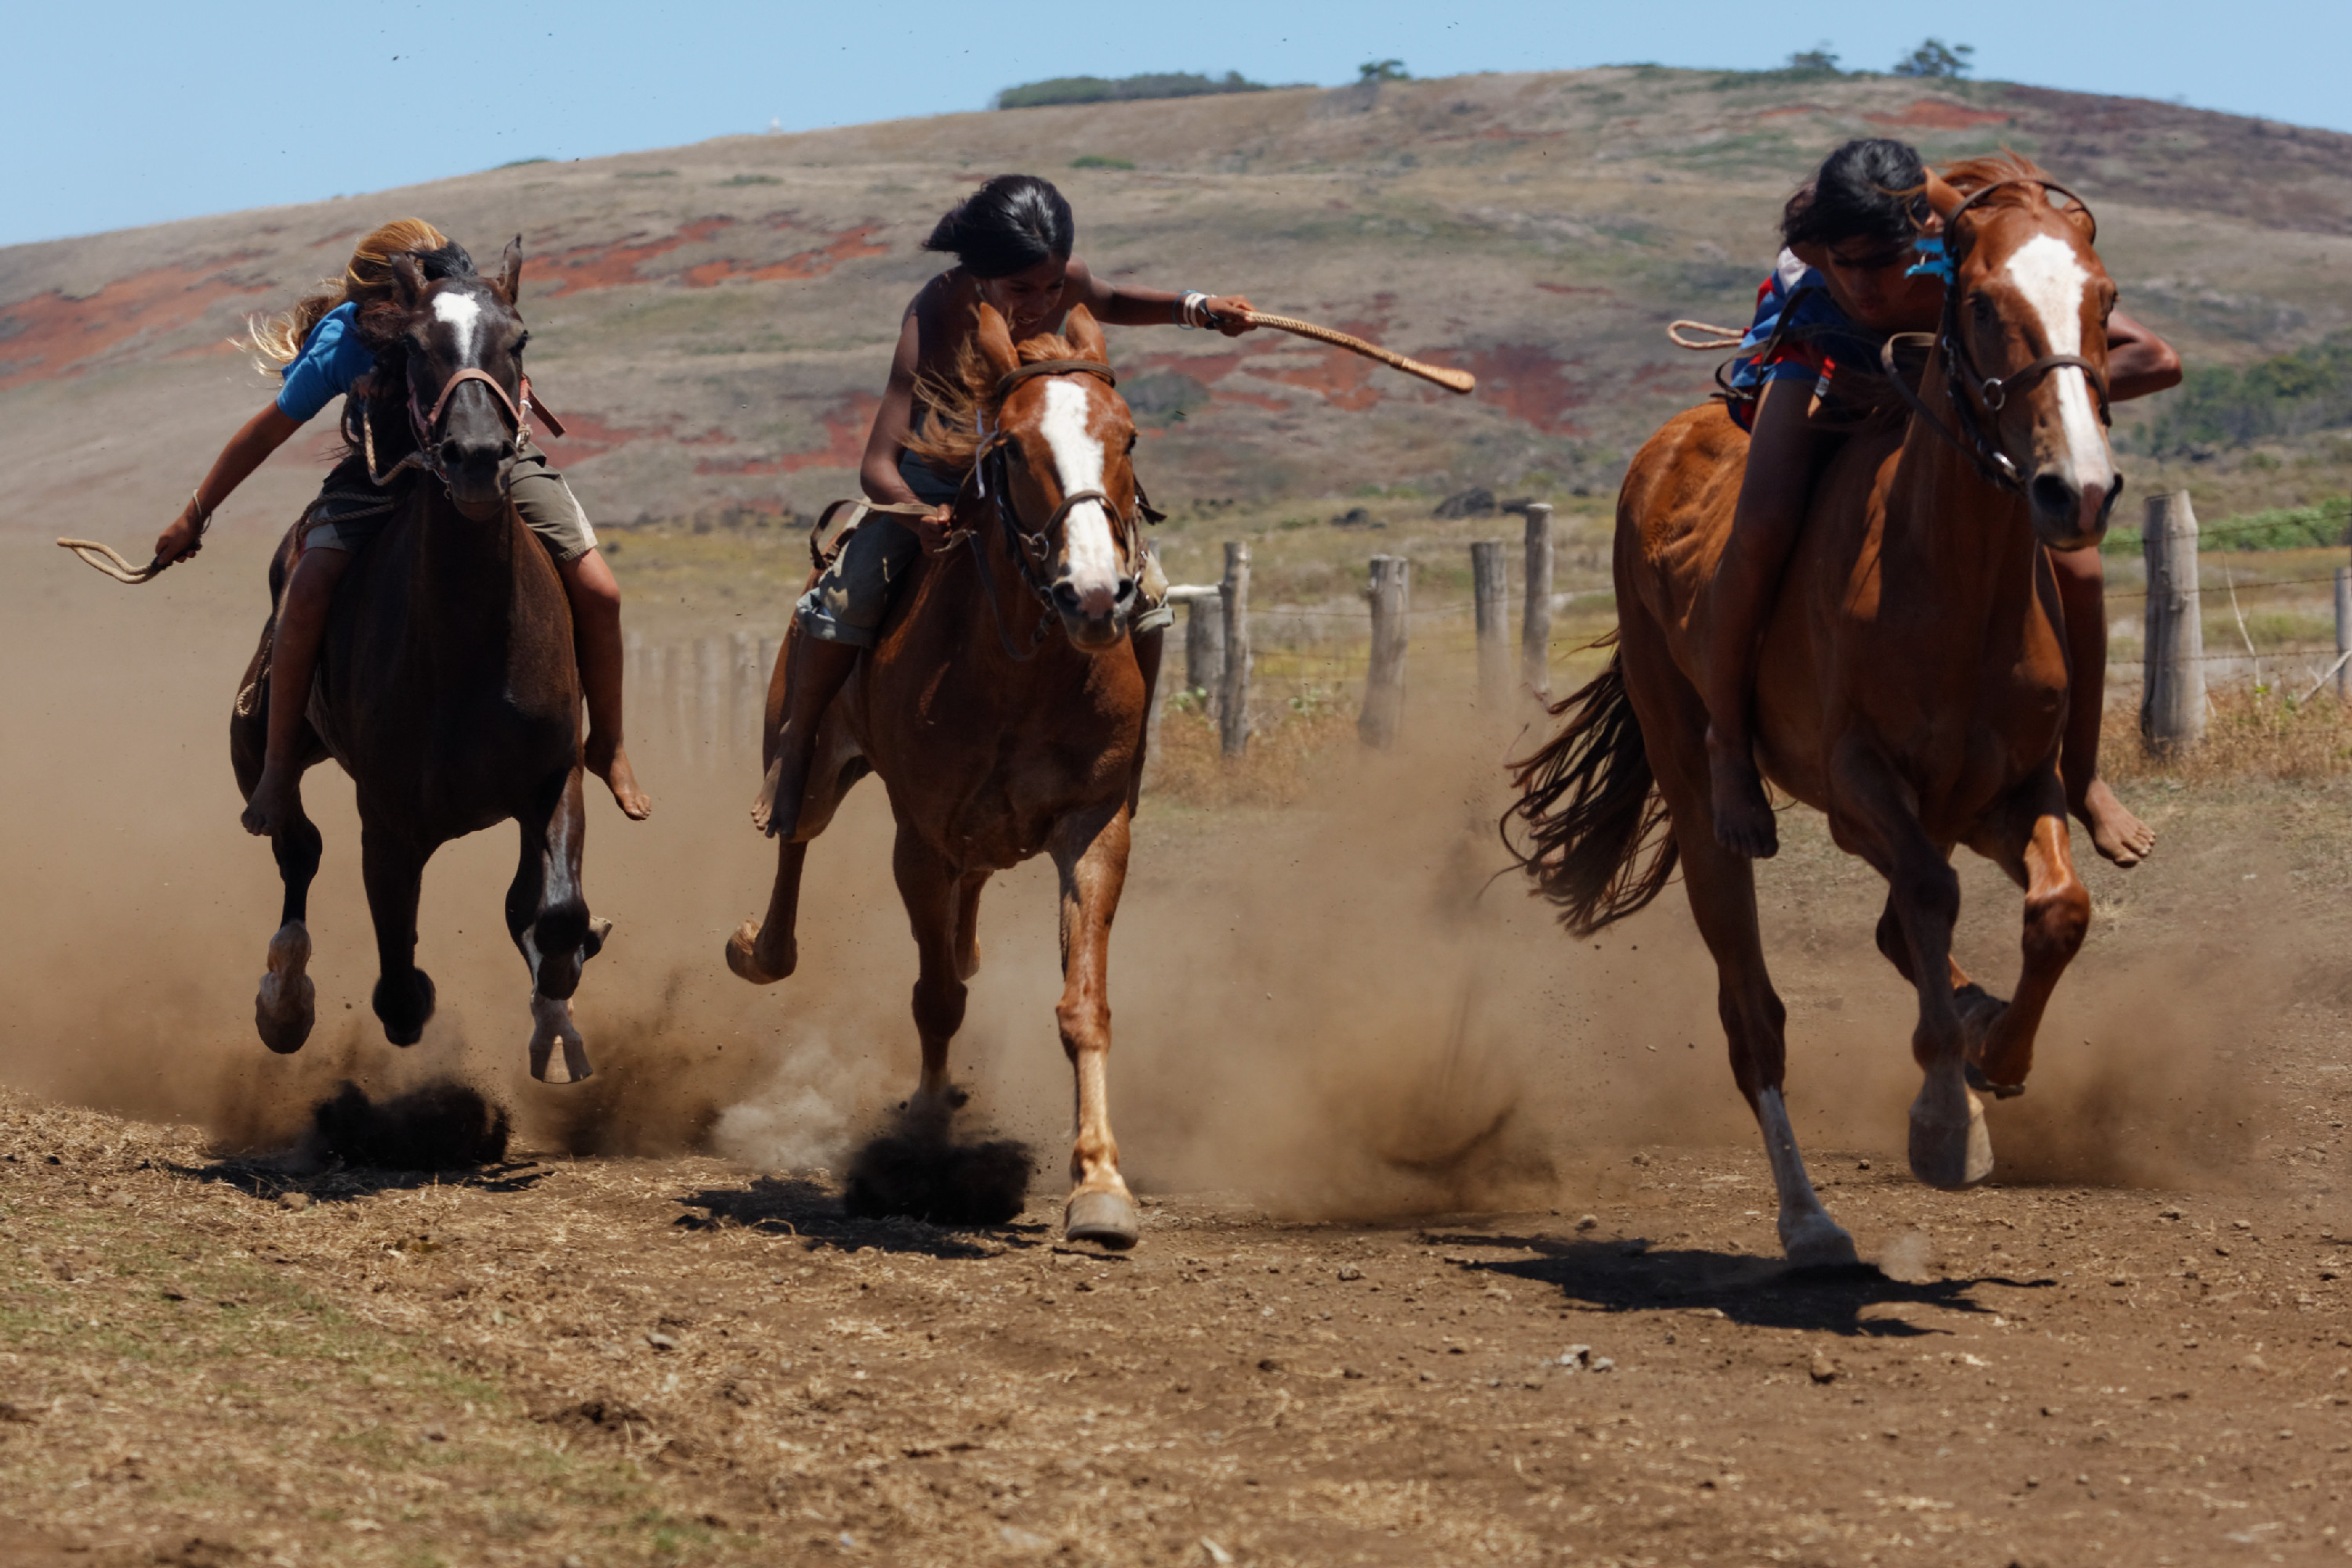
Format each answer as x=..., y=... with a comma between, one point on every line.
x=277, y=339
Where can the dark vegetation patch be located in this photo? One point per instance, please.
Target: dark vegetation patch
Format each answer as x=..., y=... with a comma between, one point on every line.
x=1122, y=89
x=2290, y=394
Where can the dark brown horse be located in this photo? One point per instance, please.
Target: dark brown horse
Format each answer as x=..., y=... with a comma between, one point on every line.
x=997, y=739
x=446, y=686
x=1913, y=682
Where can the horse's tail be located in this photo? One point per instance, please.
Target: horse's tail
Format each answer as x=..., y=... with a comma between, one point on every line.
x=1588, y=811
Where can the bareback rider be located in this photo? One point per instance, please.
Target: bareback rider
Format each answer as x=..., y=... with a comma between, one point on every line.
x=1845, y=279
x=318, y=345
x=1011, y=239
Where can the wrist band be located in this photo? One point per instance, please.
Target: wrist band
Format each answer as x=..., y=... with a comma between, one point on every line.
x=204, y=513
x=1190, y=312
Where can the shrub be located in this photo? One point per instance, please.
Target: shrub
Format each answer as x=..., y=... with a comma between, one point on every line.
x=2325, y=526
x=1105, y=89
x=1096, y=161
x=1819, y=60
x=2292, y=394
x=1382, y=71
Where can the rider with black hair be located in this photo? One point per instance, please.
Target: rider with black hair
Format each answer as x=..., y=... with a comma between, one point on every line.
x=1846, y=281
x=1013, y=240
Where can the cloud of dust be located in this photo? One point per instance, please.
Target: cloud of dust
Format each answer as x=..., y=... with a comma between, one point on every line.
x=1327, y=1008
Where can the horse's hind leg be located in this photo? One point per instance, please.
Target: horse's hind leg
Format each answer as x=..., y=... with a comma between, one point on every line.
x=393, y=872
x=286, y=1005
x=547, y=915
x=1722, y=890
x=1091, y=854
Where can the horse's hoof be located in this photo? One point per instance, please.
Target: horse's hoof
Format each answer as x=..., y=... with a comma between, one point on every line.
x=593, y=943
x=1817, y=1241
x=1107, y=1219
x=551, y=1021
x=287, y=1005
x=743, y=956
x=405, y=1025
x=1948, y=1151
x=1983, y=1085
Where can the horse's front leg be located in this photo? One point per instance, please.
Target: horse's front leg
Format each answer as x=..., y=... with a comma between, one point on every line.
x=930, y=889
x=547, y=915
x=392, y=868
x=286, y=1003
x=2030, y=841
x=1875, y=814
x=1091, y=853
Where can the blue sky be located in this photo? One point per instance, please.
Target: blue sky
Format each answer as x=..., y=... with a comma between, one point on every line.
x=143, y=112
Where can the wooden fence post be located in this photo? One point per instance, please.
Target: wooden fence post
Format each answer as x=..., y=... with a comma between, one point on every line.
x=1534, y=615
x=1490, y=593
x=2172, y=701
x=2343, y=633
x=1204, y=648
x=1390, y=595
x=1232, y=710
x=711, y=671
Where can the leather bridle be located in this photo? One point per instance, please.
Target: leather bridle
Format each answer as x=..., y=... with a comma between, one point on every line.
x=1029, y=548
x=1977, y=398
x=423, y=423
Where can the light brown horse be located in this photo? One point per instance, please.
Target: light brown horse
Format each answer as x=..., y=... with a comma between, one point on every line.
x=1912, y=683
x=996, y=738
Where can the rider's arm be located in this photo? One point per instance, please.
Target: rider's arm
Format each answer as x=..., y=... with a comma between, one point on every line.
x=2138, y=362
x=263, y=434
x=1124, y=305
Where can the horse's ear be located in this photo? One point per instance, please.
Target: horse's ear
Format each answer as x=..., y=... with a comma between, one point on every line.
x=1086, y=337
x=1942, y=199
x=510, y=272
x=410, y=277
x=995, y=341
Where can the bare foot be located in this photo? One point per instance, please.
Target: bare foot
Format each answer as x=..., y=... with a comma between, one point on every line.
x=1743, y=817
x=611, y=764
x=266, y=812
x=2118, y=834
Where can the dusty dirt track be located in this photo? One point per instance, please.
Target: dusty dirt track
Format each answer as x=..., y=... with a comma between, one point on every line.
x=615, y=1349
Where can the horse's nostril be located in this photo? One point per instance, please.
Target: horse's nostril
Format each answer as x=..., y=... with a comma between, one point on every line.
x=2054, y=496
x=1065, y=596
x=1126, y=589
x=506, y=452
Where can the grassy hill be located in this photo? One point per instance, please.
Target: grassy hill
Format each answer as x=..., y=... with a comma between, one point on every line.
x=713, y=320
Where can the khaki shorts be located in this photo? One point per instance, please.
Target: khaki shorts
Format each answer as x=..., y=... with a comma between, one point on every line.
x=849, y=599
x=338, y=519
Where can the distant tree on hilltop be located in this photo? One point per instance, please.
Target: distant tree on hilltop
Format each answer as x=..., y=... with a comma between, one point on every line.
x=1122, y=89
x=1937, y=58
x=1819, y=59
x=1382, y=71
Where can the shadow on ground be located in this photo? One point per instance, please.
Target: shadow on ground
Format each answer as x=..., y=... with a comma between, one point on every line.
x=1763, y=1292
x=796, y=1206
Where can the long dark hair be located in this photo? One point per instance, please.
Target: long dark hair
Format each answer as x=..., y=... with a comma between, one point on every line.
x=1872, y=189
x=1008, y=225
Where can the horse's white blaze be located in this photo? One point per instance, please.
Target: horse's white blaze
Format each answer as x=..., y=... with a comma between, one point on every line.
x=463, y=314
x=2046, y=271
x=1089, y=545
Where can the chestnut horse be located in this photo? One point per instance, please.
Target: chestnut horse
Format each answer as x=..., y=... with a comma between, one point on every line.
x=997, y=739
x=447, y=685
x=1912, y=683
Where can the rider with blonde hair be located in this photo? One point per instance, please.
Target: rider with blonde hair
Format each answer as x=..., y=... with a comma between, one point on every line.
x=1011, y=239
x=321, y=356
x=1848, y=277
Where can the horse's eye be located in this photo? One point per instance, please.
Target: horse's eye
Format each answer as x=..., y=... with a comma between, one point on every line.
x=1130, y=440
x=522, y=342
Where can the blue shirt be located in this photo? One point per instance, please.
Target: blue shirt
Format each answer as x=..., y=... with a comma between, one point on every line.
x=333, y=357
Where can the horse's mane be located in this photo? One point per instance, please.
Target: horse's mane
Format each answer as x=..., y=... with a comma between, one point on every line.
x=1968, y=175
x=956, y=402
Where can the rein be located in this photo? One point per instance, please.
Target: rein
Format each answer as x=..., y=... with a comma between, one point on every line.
x=422, y=425
x=1974, y=395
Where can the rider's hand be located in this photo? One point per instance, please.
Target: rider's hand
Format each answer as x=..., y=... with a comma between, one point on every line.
x=1231, y=313
x=932, y=528
x=179, y=542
